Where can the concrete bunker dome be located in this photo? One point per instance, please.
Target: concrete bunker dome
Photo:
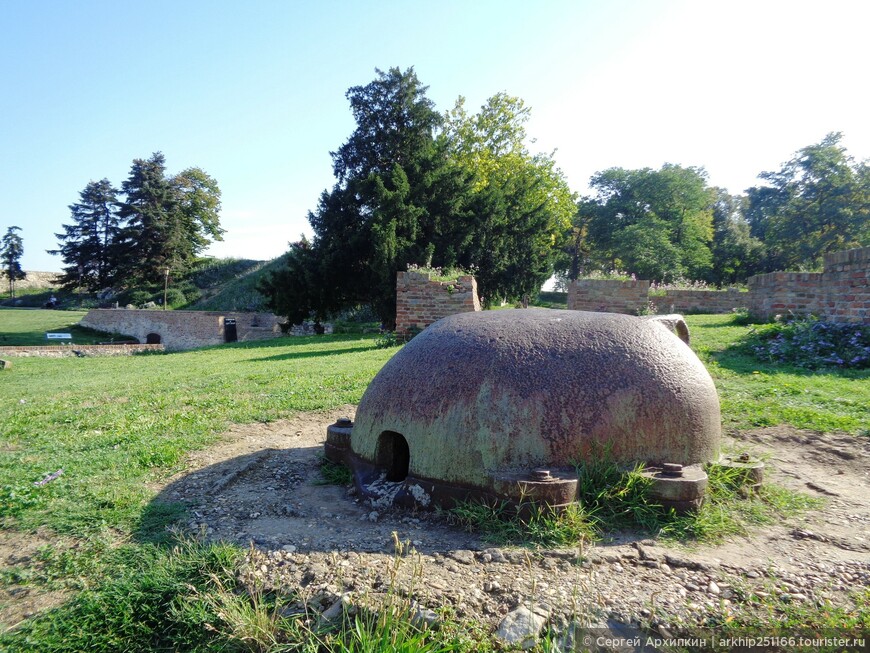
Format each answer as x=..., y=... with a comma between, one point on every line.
x=479, y=401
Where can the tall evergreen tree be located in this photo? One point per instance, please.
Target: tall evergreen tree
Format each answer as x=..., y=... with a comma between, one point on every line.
x=11, y=250
x=87, y=243
x=395, y=190
x=167, y=221
x=151, y=216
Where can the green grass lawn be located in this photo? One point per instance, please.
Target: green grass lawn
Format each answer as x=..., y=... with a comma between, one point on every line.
x=112, y=423
x=115, y=424
x=755, y=394
x=27, y=327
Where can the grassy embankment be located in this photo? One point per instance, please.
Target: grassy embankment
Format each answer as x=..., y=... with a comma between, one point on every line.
x=116, y=425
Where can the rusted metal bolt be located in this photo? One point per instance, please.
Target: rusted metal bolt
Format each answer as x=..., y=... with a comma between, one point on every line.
x=343, y=421
x=541, y=474
x=672, y=469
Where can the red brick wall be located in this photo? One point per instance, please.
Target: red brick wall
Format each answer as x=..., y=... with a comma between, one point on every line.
x=701, y=301
x=840, y=294
x=608, y=295
x=420, y=301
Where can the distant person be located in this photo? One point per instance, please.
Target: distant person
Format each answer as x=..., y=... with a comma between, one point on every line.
x=52, y=302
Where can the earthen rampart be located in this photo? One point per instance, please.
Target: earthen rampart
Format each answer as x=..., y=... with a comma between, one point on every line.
x=38, y=280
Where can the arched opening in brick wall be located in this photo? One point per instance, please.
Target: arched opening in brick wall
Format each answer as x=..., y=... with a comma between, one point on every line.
x=152, y=339
x=393, y=455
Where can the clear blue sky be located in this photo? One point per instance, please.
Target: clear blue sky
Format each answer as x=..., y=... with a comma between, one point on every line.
x=253, y=92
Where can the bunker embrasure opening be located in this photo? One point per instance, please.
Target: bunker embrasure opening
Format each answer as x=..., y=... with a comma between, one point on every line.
x=393, y=455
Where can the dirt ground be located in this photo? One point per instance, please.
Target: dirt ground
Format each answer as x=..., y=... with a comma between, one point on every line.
x=259, y=485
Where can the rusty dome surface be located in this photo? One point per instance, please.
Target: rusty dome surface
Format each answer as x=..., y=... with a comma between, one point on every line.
x=478, y=395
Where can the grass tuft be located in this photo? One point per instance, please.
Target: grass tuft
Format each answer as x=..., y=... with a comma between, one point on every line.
x=334, y=473
x=149, y=598
x=611, y=498
x=533, y=525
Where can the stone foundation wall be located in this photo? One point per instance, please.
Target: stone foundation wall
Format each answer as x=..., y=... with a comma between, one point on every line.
x=182, y=329
x=61, y=351
x=420, y=300
x=608, y=295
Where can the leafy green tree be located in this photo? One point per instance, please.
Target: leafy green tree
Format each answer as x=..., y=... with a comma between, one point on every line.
x=737, y=255
x=521, y=203
x=199, y=198
x=653, y=223
x=167, y=221
x=86, y=243
x=11, y=250
x=819, y=202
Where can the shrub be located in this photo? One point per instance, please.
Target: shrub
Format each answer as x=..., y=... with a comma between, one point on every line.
x=174, y=297
x=812, y=343
x=387, y=340
x=136, y=297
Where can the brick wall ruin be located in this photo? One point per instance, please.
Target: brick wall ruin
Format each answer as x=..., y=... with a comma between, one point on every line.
x=420, y=300
x=700, y=301
x=841, y=293
x=182, y=329
x=608, y=295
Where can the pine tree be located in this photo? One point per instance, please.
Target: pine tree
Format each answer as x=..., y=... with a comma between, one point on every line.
x=151, y=217
x=167, y=221
x=381, y=214
x=11, y=249
x=86, y=245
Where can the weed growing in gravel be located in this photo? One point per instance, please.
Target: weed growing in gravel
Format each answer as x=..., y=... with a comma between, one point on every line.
x=261, y=621
x=730, y=508
x=333, y=473
x=536, y=525
x=819, y=623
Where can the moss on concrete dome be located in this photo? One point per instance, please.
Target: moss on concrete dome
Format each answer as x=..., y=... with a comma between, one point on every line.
x=479, y=394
